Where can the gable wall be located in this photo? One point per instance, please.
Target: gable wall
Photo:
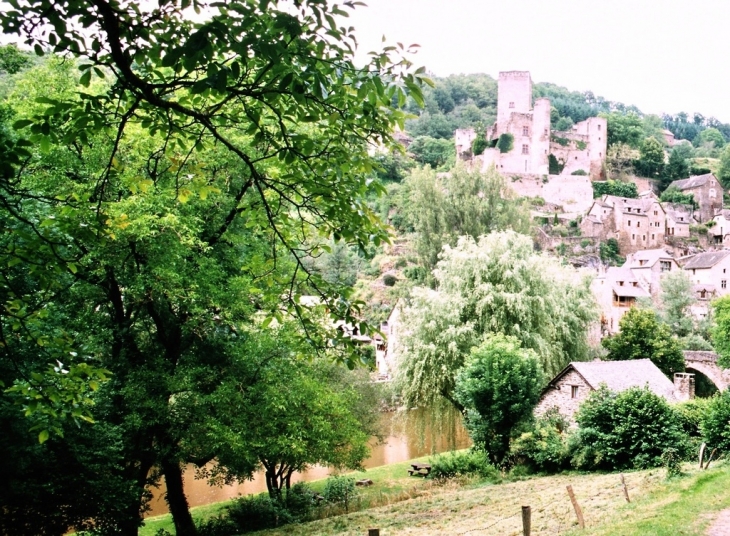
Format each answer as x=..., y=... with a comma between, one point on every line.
x=561, y=398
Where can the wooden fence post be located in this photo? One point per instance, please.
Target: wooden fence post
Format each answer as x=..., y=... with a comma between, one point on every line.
x=373, y=532
x=576, y=507
x=526, y=521
x=702, y=454
x=626, y=490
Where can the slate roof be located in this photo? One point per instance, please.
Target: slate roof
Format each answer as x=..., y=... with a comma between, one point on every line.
x=697, y=355
x=706, y=260
x=630, y=291
x=693, y=182
x=621, y=375
x=651, y=256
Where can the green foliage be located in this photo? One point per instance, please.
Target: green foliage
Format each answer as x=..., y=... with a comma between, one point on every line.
x=13, y=60
x=672, y=462
x=498, y=386
x=543, y=445
x=470, y=463
x=463, y=203
x=560, y=141
x=651, y=158
x=340, y=489
x=720, y=333
x=555, y=166
x=609, y=252
x=710, y=137
x=564, y=124
x=678, y=166
x=479, y=144
x=628, y=430
x=581, y=145
x=675, y=195
x=581, y=172
x=642, y=336
x=389, y=280
x=432, y=152
x=624, y=128
x=505, y=143
x=677, y=297
x=723, y=174
x=392, y=166
x=498, y=285
x=617, y=188
x=690, y=415
x=716, y=422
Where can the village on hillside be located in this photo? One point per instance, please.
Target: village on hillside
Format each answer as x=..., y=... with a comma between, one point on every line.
x=656, y=238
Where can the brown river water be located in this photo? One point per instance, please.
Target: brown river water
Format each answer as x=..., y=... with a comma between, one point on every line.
x=409, y=434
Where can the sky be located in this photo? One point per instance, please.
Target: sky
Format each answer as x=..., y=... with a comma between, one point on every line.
x=664, y=56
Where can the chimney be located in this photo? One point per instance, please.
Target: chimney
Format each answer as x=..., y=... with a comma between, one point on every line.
x=684, y=386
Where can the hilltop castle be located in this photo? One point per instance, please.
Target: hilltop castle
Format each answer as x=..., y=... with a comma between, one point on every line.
x=535, y=149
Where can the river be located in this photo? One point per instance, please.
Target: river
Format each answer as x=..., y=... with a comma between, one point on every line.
x=409, y=434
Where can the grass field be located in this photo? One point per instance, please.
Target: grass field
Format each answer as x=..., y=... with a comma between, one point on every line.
x=406, y=505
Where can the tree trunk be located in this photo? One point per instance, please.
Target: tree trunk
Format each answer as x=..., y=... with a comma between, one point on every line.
x=176, y=500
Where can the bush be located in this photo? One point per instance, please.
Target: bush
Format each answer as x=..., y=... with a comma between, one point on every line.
x=542, y=446
x=479, y=144
x=629, y=430
x=505, y=143
x=716, y=422
x=389, y=280
x=340, y=490
x=672, y=461
x=401, y=262
x=581, y=172
x=617, y=188
x=609, y=252
x=464, y=463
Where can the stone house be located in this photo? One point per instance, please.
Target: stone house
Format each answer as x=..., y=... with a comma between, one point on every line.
x=616, y=291
x=572, y=386
x=637, y=224
x=649, y=266
x=582, y=148
x=710, y=270
x=707, y=192
x=679, y=218
x=720, y=231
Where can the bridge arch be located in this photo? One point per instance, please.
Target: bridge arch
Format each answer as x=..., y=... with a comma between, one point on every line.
x=705, y=363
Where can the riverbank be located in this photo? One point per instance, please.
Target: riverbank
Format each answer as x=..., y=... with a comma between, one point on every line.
x=409, y=505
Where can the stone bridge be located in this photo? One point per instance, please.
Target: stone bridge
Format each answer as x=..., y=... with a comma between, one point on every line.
x=706, y=363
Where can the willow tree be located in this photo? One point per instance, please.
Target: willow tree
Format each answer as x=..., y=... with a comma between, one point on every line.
x=168, y=202
x=443, y=207
x=496, y=285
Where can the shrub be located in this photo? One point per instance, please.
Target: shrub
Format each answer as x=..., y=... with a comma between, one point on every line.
x=389, y=280
x=581, y=172
x=609, y=252
x=465, y=463
x=585, y=243
x=674, y=195
x=479, y=144
x=537, y=201
x=672, y=461
x=505, y=143
x=628, y=430
x=555, y=167
x=401, y=262
x=617, y=188
x=340, y=490
x=542, y=446
x=716, y=422
x=248, y=514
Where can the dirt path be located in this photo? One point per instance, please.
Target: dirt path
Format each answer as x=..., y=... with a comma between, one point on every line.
x=721, y=525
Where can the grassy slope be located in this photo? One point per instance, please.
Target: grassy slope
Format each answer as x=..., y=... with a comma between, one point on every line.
x=682, y=506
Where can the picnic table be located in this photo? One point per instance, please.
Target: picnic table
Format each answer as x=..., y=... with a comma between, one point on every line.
x=419, y=469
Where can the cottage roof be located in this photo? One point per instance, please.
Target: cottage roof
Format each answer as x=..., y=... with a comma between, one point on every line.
x=706, y=260
x=693, y=182
x=621, y=375
x=647, y=258
x=725, y=213
x=630, y=291
x=636, y=206
x=698, y=355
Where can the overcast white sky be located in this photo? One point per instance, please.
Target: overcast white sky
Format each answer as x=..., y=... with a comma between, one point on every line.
x=661, y=55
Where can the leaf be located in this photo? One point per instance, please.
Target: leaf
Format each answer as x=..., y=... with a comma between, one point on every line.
x=43, y=436
x=22, y=123
x=85, y=79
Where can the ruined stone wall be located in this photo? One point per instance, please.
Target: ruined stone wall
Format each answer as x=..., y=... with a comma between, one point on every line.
x=644, y=184
x=463, y=139
x=573, y=192
x=560, y=396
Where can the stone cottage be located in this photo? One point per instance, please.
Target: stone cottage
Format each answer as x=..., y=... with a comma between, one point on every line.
x=720, y=230
x=649, y=266
x=570, y=388
x=679, y=218
x=616, y=291
x=707, y=192
x=710, y=270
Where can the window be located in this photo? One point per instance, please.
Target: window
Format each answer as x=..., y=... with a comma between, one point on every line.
x=723, y=283
x=620, y=283
x=511, y=104
x=656, y=213
x=629, y=223
x=634, y=284
x=638, y=224
x=712, y=192
x=642, y=262
x=652, y=236
x=525, y=149
x=693, y=271
x=666, y=266
x=525, y=131
x=643, y=237
x=573, y=391
x=703, y=293
x=599, y=127
x=633, y=237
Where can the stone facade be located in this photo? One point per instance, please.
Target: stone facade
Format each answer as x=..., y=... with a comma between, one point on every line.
x=616, y=291
x=710, y=270
x=567, y=395
x=707, y=192
x=720, y=230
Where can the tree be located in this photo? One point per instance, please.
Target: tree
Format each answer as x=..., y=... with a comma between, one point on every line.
x=620, y=159
x=431, y=151
x=462, y=203
x=723, y=173
x=496, y=285
x=479, y=144
x=710, y=137
x=624, y=128
x=499, y=386
x=677, y=297
x=715, y=422
x=651, y=158
x=617, y=188
x=627, y=430
x=164, y=206
x=641, y=336
x=720, y=333
x=678, y=166
x=675, y=195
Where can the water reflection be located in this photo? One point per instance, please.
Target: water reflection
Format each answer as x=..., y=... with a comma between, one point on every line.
x=408, y=434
